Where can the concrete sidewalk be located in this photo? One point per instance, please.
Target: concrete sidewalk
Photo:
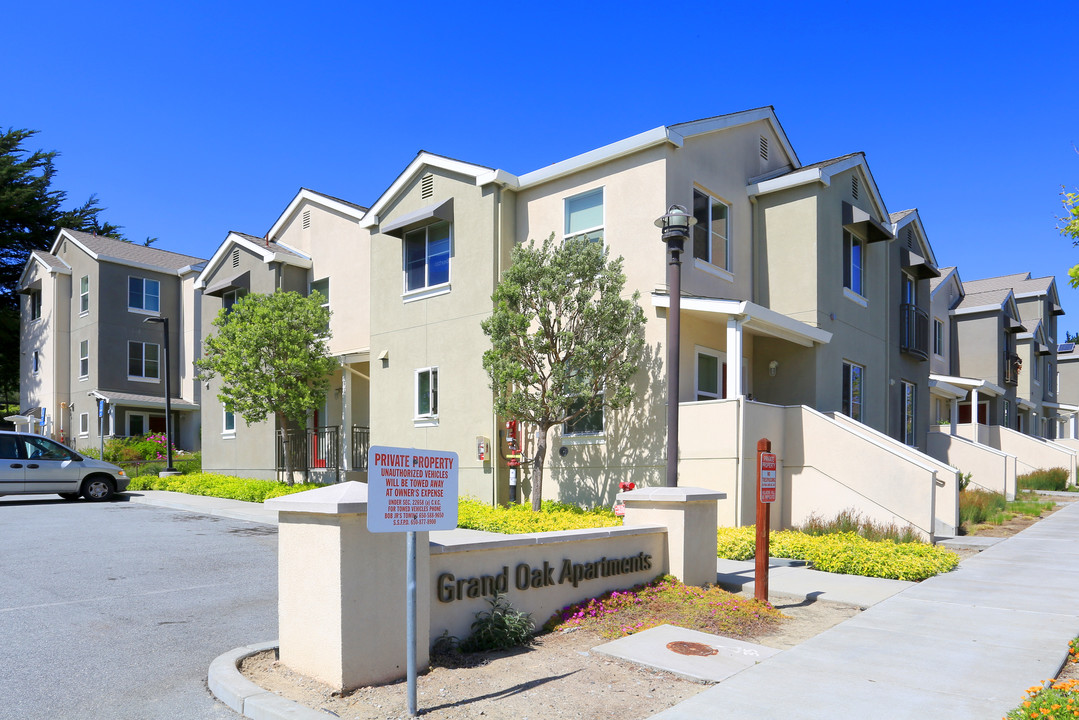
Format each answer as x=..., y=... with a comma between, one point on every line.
x=217, y=507
x=964, y=645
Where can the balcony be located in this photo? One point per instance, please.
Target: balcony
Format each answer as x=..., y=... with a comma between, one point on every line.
x=914, y=331
x=1012, y=364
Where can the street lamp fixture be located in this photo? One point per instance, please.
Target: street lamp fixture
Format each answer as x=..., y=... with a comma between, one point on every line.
x=675, y=226
x=169, y=469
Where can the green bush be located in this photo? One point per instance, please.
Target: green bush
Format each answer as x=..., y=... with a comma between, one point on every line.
x=519, y=519
x=850, y=521
x=1054, y=479
x=844, y=553
x=222, y=486
x=499, y=628
x=976, y=506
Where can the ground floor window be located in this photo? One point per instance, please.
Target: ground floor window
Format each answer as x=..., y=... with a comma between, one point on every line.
x=84, y=424
x=910, y=399
x=711, y=375
x=427, y=393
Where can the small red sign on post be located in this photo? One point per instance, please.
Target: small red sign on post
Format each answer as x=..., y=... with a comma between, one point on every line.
x=768, y=477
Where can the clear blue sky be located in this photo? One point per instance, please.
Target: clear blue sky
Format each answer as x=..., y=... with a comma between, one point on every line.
x=190, y=120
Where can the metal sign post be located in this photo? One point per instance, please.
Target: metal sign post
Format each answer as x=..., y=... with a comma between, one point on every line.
x=766, y=494
x=410, y=490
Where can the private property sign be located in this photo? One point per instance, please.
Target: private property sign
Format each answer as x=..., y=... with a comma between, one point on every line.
x=768, y=477
x=409, y=489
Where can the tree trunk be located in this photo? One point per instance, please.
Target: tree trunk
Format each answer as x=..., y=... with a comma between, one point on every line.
x=537, y=468
x=283, y=425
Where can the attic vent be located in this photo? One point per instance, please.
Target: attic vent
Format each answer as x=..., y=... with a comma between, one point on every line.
x=235, y=258
x=427, y=186
x=854, y=187
x=764, y=148
x=910, y=239
x=306, y=219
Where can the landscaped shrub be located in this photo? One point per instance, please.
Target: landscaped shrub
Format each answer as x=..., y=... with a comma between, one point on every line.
x=1055, y=479
x=222, y=486
x=975, y=506
x=665, y=600
x=1058, y=700
x=499, y=627
x=852, y=521
x=518, y=519
x=844, y=553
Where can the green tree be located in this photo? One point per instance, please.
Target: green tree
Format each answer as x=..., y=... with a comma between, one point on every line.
x=1069, y=226
x=271, y=353
x=564, y=342
x=31, y=214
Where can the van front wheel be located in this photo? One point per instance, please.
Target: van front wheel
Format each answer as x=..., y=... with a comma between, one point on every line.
x=97, y=489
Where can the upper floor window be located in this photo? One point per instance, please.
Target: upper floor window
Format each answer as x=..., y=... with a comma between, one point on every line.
x=853, y=261
x=711, y=375
x=34, y=300
x=35, y=362
x=322, y=287
x=1007, y=414
x=143, y=294
x=231, y=297
x=938, y=337
x=910, y=415
x=143, y=361
x=584, y=215
x=1035, y=368
x=427, y=394
x=427, y=257
x=84, y=294
x=852, y=390
x=84, y=359
x=711, y=231
x=228, y=423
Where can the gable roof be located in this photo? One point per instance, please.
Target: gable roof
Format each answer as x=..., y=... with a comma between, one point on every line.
x=823, y=172
x=48, y=261
x=106, y=249
x=945, y=273
x=981, y=301
x=312, y=196
x=268, y=251
x=913, y=220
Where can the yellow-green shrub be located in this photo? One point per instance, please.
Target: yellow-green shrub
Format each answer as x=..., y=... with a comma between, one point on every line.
x=222, y=486
x=844, y=553
x=519, y=519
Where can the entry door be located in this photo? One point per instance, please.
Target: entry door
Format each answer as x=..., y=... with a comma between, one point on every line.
x=11, y=467
x=49, y=467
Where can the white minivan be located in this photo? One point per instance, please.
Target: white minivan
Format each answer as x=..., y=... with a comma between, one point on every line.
x=33, y=464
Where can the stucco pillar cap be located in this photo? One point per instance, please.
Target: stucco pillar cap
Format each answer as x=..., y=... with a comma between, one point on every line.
x=342, y=499
x=670, y=494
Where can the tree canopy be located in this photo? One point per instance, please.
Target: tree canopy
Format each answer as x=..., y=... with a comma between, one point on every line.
x=31, y=214
x=271, y=354
x=1069, y=226
x=564, y=342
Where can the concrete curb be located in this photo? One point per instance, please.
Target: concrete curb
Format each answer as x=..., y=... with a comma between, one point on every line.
x=216, y=507
x=247, y=698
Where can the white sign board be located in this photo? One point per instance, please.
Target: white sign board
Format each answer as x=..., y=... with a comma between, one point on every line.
x=409, y=489
x=768, y=477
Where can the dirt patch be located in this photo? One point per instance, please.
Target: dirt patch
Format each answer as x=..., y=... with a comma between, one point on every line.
x=559, y=676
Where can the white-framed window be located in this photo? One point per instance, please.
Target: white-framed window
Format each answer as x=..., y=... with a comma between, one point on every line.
x=322, y=287
x=137, y=424
x=853, y=263
x=1035, y=369
x=84, y=359
x=84, y=294
x=852, y=390
x=427, y=257
x=910, y=414
x=711, y=374
x=938, y=337
x=1049, y=377
x=230, y=298
x=584, y=215
x=427, y=394
x=590, y=423
x=228, y=423
x=711, y=232
x=143, y=294
x=1006, y=408
x=35, y=362
x=33, y=299
x=143, y=361
x=84, y=425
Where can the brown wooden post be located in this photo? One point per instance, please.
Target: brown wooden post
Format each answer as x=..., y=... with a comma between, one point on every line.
x=760, y=579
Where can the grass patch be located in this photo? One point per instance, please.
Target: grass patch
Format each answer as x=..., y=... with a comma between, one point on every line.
x=667, y=601
x=981, y=507
x=845, y=553
x=222, y=486
x=850, y=521
x=519, y=519
x=1053, y=479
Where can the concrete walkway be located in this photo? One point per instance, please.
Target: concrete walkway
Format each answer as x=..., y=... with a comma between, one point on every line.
x=964, y=645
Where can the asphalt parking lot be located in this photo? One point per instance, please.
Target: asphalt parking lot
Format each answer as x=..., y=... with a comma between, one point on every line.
x=116, y=610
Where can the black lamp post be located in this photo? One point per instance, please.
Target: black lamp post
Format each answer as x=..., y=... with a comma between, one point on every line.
x=675, y=225
x=169, y=469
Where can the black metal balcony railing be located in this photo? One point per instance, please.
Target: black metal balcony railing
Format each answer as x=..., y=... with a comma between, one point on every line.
x=914, y=330
x=361, y=443
x=1012, y=364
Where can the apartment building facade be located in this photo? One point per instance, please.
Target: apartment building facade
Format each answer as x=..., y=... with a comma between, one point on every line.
x=92, y=344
